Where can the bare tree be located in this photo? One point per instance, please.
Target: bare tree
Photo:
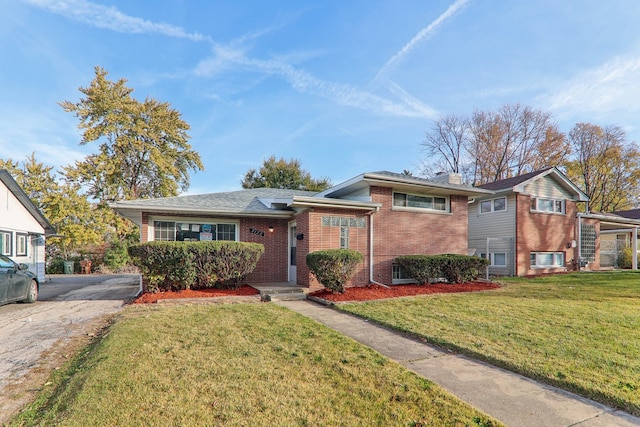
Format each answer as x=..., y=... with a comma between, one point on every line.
x=512, y=141
x=446, y=142
x=605, y=166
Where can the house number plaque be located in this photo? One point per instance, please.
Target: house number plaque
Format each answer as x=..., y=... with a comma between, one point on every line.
x=258, y=232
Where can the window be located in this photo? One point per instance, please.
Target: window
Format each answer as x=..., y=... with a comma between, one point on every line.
x=434, y=203
x=164, y=230
x=547, y=205
x=547, y=259
x=344, y=237
x=588, y=237
x=5, y=243
x=399, y=276
x=21, y=244
x=493, y=205
x=187, y=232
x=497, y=259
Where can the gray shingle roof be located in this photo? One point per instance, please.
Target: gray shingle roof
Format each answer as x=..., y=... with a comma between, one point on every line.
x=233, y=201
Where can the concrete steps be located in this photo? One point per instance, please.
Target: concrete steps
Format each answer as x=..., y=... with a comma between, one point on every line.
x=281, y=292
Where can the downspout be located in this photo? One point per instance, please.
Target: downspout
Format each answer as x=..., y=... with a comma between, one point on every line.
x=371, y=280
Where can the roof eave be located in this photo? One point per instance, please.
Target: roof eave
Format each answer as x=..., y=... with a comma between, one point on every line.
x=302, y=201
x=129, y=212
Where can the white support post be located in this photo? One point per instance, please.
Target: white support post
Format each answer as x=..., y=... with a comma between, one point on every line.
x=634, y=248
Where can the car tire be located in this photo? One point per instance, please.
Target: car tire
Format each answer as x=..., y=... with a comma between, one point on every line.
x=32, y=294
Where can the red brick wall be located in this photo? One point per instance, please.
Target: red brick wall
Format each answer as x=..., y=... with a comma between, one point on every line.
x=398, y=232
x=144, y=230
x=274, y=263
x=543, y=232
x=318, y=237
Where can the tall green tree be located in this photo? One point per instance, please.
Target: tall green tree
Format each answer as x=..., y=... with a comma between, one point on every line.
x=144, y=150
x=72, y=215
x=605, y=166
x=283, y=174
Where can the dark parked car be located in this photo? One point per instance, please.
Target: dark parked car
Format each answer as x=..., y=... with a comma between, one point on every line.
x=17, y=283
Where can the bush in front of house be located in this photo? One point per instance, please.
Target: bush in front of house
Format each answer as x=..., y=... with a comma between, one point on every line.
x=116, y=255
x=625, y=258
x=55, y=266
x=452, y=268
x=195, y=265
x=334, y=267
x=224, y=264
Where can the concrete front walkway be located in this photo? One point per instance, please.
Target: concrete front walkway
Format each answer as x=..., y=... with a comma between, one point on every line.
x=511, y=398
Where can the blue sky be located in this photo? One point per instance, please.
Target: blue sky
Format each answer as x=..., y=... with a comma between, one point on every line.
x=344, y=86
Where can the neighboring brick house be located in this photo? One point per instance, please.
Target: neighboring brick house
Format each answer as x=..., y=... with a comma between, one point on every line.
x=22, y=227
x=529, y=225
x=381, y=214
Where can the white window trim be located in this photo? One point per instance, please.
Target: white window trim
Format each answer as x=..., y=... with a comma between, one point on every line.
x=544, y=266
x=447, y=202
x=493, y=205
x=25, y=239
x=554, y=212
x=7, y=243
x=400, y=281
x=151, y=232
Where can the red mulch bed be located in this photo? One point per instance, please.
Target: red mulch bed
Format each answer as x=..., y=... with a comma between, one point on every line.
x=372, y=292
x=364, y=293
x=200, y=293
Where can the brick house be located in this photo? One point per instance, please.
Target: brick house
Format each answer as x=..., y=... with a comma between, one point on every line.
x=381, y=214
x=530, y=225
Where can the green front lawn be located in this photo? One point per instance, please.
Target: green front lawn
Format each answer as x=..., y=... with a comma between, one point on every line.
x=578, y=331
x=237, y=364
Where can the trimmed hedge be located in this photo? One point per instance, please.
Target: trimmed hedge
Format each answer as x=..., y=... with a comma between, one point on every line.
x=453, y=268
x=334, y=267
x=195, y=265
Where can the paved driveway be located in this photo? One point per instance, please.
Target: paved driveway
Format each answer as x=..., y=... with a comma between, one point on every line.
x=34, y=337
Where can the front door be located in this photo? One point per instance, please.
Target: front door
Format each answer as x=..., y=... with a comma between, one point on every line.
x=292, y=253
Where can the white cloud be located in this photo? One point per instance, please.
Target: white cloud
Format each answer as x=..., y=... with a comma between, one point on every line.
x=605, y=92
x=422, y=34
x=227, y=58
x=111, y=18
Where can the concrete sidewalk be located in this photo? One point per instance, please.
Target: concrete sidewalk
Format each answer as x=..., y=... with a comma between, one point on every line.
x=511, y=398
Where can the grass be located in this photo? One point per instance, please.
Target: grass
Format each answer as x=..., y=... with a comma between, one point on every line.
x=578, y=331
x=237, y=364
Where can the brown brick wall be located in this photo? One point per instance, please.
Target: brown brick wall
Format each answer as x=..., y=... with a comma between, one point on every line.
x=543, y=232
x=144, y=230
x=273, y=266
x=398, y=232
x=274, y=263
x=319, y=237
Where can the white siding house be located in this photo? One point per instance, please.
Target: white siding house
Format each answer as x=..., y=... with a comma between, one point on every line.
x=22, y=227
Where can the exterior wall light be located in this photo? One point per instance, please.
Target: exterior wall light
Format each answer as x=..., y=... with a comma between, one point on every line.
x=271, y=229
